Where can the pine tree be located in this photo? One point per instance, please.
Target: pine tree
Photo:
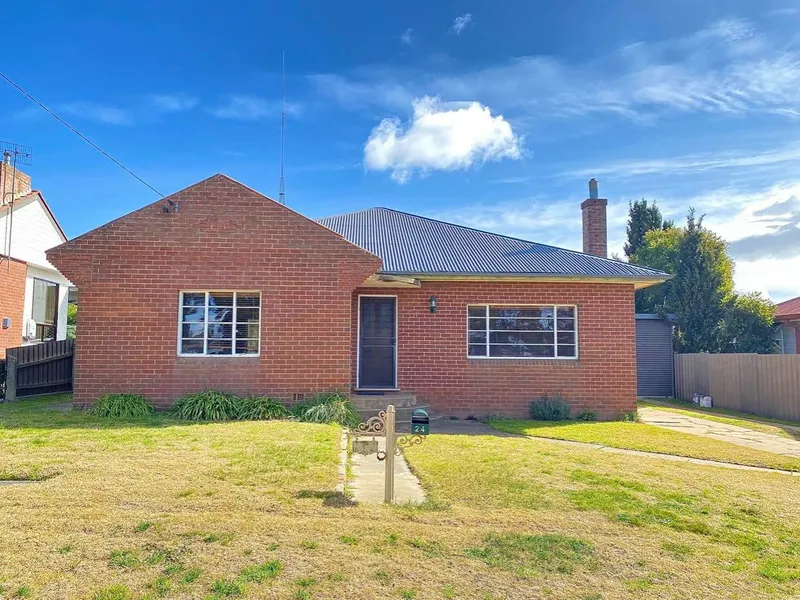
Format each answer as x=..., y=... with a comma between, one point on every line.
x=641, y=219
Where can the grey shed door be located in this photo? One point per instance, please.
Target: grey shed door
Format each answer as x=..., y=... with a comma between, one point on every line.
x=654, y=361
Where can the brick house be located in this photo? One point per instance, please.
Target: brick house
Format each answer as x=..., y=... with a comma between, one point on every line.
x=218, y=286
x=33, y=294
x=787, y=331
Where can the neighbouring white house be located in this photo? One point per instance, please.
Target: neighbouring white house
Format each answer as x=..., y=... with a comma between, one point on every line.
x=787, y=332
x=33, y=293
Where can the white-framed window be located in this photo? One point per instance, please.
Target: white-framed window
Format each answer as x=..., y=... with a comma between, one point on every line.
x=526, y=331
x=219, y=323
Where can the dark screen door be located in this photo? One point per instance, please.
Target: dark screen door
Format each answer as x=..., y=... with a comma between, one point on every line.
x=377, y=342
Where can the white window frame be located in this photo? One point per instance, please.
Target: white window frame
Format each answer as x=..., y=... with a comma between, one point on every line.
x=205, y=325
x=555, y=308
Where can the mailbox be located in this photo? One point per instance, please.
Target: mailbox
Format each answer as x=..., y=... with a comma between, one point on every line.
x=420, y=422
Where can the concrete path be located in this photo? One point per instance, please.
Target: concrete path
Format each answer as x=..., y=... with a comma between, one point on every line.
x=369, y=473
x=721, y=431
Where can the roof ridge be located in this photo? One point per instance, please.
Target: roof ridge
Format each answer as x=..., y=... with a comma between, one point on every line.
x=508, y=237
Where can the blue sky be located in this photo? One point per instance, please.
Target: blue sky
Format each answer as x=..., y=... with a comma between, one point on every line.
x=494, y=115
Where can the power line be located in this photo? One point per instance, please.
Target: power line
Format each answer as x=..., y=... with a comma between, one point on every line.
x=79, y=134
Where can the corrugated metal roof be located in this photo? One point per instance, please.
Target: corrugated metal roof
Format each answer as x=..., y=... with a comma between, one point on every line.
x=788, y=309
x=414, y=245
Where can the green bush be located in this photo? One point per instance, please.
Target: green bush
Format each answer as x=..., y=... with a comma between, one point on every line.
x=550, y=408
x=262, y=408
x=121, y=406
x=327, y=407
x=208, y=405
x=587, y=415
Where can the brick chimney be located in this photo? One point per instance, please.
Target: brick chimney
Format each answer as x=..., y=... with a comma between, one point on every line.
x=595, y=233
x=18, y=184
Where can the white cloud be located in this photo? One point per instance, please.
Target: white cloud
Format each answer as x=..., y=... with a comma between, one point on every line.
x=407, y=37
x=460, y=23
x=440, y=136
x=251, y=108
x=173, y=102
x=100, y=113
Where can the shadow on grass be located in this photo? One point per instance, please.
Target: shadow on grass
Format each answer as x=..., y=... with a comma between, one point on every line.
x=329, y=499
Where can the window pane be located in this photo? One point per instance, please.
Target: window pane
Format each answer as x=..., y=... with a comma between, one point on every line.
x=219, y=331
x=505, y=351
x=477, y=337
x=219, y=347
x=566, y=324
x=192, y=330
x=194, y=299
x=533, y=312
x=220, y=299
x=566, y=337
x=243, y=299
x=477, y=311
x=191, y=346
x=477, y=324
x=246, y=346
x=39, y=300
x=247, y=330
x=521, y=337
x=51, y=302
x=477, y=349
x=521, y=324
x=220, y=315
x=566, y=311
x=566, y=350
x=538, y=351
x=247, y=315
x=194, y=315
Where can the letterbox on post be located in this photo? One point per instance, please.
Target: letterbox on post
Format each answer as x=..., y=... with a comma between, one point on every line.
x=420, y=422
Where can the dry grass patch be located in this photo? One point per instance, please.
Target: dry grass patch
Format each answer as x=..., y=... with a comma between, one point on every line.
x=509, y=518
x=648, y=438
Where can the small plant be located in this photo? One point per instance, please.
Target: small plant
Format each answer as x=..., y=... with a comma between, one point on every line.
x=160, y=585
x=226, y=588
x=327, y=407
x=407, y=594
x=383, y=577
x=113, y=592
x=348, y=540
x=23, y=592
x=143, y=526
x=309, y=545
x=121, y=406
x=209, y=405
x=262, y=408
x=123, y=558
x=630, y=416
x=66, y=549
x=262, y=572
x=550, y=408
x=586, y=415
x=191, y=575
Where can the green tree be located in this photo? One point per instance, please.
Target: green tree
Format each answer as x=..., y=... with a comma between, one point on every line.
x=72, y=320
x=642, y=218
x=748, y=324
x=659, y=251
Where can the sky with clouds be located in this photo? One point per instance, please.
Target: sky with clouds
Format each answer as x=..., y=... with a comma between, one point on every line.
x=492, y=115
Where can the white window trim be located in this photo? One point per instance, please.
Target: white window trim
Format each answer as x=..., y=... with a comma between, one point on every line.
x=205, y=322
x=555, y=308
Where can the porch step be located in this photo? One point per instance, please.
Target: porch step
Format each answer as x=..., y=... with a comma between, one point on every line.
x=379, y=401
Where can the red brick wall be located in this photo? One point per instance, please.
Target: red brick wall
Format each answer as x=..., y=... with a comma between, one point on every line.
x=432, y=349
x=18, y=183
x=12, y=300
x=595, y=229
x=223, y=237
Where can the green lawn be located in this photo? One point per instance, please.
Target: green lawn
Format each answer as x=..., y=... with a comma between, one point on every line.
x=648, y=438
x=158, y=508
x=786, y=429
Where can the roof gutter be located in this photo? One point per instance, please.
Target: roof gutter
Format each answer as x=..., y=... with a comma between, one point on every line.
x=637, y=281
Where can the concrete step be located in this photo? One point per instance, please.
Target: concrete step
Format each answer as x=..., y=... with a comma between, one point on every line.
x=378, y=402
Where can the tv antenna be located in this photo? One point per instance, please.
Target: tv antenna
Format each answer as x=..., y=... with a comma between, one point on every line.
x=12, y=155
x=282, y=184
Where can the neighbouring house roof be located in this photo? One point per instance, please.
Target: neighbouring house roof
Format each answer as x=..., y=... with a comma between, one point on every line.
x=414, y=245
x=788, y=310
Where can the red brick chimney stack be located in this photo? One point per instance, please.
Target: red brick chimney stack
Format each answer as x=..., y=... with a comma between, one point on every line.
x=595, y=231
x=21, y=182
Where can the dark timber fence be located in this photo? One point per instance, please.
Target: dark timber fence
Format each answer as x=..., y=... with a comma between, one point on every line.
x=39, y=369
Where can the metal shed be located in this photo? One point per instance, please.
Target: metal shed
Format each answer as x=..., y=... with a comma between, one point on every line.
x=655, y=369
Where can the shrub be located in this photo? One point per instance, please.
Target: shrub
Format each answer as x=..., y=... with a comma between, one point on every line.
x=261, y=408
x=631, y=417
x=550, y=408
x=121, y=406
x=587, y=415
x=209, y=405
x=327, y=407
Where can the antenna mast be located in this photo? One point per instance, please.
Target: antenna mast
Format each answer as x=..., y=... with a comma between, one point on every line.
x=282, y=185
x=21, y=155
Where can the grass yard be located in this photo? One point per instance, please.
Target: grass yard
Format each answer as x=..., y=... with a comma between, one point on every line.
x=729, y=417
x=158, y=508
x=648, y=438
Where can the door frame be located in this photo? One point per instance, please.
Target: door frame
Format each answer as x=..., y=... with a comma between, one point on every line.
x=358, y=343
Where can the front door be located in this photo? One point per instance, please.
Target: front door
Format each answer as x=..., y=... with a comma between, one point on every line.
x=377, y=342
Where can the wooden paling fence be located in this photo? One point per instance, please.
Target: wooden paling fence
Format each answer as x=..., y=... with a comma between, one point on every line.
x=767, y=385
x=39, y=369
